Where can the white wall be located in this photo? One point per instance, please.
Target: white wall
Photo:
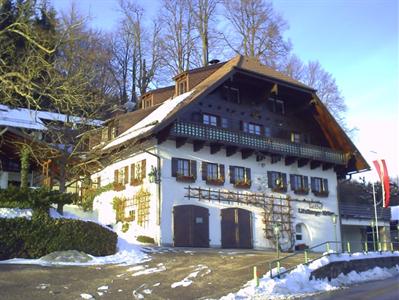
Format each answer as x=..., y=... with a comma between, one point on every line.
x=320, y=228
x=107, y=214
x=3, y=180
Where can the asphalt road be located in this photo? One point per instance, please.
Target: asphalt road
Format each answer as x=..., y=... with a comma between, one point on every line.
x=387, y=289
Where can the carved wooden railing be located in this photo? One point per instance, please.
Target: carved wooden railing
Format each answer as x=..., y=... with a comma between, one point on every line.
x=257, y=142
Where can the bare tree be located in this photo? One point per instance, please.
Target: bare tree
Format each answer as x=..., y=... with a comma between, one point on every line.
x=204, y=12
x=256, y=30
x=178, y=36
x=136, y=52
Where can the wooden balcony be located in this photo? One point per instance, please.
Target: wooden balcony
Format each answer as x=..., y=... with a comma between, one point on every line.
x=242, y=140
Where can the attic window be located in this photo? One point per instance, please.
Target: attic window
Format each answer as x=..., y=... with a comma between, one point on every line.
x=181, y=87
x=231, y=94
x=147, y=103
x=276, y=105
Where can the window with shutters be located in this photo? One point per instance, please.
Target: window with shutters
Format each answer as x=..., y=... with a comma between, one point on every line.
x=212, y=173
x=240, y=177
x=277, y=181
x=295, y=137
x=137, y=172
x=319, y=186
x=268, y=131
x=299, y=184
x=231, y=94
x=276, y=105
x=104, y=135
x=298, y=232
x=184, y=170
x=225, y=123
x=208, y=119
x=121, y=178
x=182, y=86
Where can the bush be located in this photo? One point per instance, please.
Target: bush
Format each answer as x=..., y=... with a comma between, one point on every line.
x=35, y=238
x=41, y=199
x=145, y=239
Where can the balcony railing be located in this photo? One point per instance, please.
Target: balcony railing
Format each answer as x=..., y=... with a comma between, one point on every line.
x=257, y=142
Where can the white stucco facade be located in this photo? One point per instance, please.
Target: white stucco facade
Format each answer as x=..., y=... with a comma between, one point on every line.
x=319, y=226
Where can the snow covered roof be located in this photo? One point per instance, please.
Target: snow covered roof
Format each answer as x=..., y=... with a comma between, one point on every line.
x=149, y=121
x=35, y=119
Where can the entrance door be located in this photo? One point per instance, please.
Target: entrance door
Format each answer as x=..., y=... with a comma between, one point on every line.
x=236, y=228
x=191, y=226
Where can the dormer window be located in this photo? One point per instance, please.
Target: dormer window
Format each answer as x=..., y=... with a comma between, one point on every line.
x=147, y=102
x=231, y=94
x=276, y=105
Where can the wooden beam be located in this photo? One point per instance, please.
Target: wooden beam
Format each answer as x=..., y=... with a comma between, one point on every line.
x=180, y=141
x=245, y=153
x=315, y=164
x=289, y=160
x=302, y=162
x=198, y=145
x=215, y=148
x=326, y=166
x=231, y=150
x=275, y=158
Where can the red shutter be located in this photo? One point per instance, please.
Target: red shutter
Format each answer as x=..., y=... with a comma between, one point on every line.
x=293, y=183
x=193, y=168
x=116, y=176
x=232, y=174
x=126, y=179
x=221, y=172
x=204, y=170
x=132, y=173
x=143, y=169
x=174, y=166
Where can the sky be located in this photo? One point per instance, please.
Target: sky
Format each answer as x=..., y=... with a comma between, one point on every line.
x=355, y=40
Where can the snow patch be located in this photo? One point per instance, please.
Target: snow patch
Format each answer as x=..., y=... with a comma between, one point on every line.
x=188, y=279
x=10, y=213
x=160, y=268
x=86, y=296
x=297, y=282
x=150, y=121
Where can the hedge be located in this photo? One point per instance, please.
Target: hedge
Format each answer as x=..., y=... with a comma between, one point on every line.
x=42, y=198
x=23, y=238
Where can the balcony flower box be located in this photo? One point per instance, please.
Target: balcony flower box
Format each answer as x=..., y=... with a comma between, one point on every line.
x=301, y=191
x=136, y=181
x=118, y=186
x=279, y=189
x=301, y=247
x=215, y=181
x=320, y=193
x=185, y=178
x=242, y=184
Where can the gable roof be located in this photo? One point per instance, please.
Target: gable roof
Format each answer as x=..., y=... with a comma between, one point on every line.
x=335, y=135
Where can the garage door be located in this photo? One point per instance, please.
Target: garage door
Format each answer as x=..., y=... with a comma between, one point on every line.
x=191, y=226
x=236, y=228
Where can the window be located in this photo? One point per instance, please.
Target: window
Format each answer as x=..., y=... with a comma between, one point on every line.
x=147, y=103
x=319, y=186
x=276, y=105
x=240, y=176
x=277, y=181
x=225, y=123
x=251, y=128
x=184, y=169
x=231, y=94
x=298, y=232
x=213, y=173
x=295, y=137
x=182, y=87
x=210, y=120
x=268, y=131
x=299, y=184
x=121, y=178
x=113, y=132
x=104, y=134
x=137, y=172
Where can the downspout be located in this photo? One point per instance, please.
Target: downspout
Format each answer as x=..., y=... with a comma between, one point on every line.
x=158, y=183
x=338, y=206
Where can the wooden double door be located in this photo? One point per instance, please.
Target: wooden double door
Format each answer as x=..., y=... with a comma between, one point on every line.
x=191, y=226
x=236, y=228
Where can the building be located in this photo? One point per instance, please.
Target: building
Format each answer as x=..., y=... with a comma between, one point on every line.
x=229, y=156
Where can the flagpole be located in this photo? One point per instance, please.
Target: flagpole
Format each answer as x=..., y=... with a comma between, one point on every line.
x=375, y=215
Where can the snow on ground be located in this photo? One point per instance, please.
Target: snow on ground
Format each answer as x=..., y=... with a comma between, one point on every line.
x=150, y=121
x=188, y=279
x=143, y=271
x=297, y=282
x=10, y=213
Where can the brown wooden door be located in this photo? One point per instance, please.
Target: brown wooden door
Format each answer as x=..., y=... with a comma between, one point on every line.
x=191, y=226
x=236, y=228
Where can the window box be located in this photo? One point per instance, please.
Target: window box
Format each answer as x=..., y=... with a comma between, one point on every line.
x=185, y=178
x=242, y=184
x=301, y=247
x=320, y=193
x=301, y=191
x=279, y=189
x=118, y=186
x=212, y=181
x=136, y=181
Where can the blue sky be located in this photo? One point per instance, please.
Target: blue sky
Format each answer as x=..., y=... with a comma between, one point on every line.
x=355, y=40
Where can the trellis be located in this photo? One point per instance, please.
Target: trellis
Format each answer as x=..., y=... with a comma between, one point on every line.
x=140, y=203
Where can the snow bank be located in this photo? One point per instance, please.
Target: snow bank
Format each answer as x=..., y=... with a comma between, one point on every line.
x=150, y=121
x=297, y=283
x=10, y=213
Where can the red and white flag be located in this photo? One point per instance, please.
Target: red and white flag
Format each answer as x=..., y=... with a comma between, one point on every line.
x=382, y=171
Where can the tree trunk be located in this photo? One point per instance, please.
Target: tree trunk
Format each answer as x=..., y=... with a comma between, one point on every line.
x=24, y=166
x=62, y=182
